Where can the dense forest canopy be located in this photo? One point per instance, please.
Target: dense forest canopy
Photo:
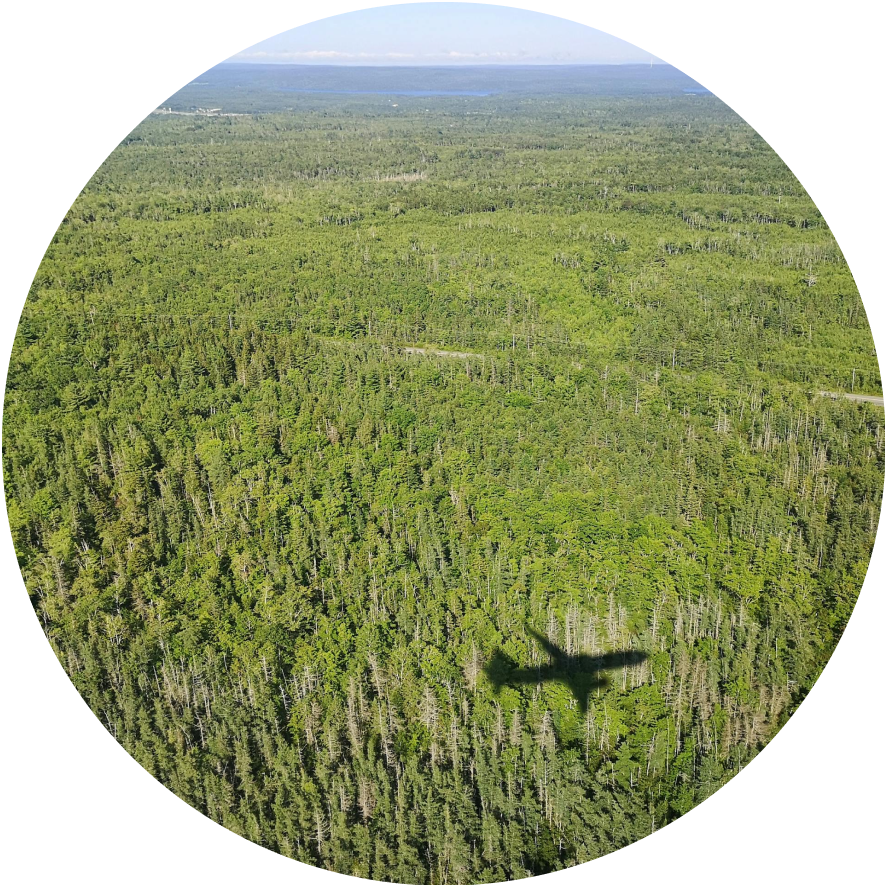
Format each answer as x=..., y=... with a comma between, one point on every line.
x=331, y=415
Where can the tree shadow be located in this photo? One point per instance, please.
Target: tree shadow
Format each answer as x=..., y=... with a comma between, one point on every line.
x=580, y=673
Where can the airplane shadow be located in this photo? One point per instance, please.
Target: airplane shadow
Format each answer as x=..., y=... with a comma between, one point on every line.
x=580, y=673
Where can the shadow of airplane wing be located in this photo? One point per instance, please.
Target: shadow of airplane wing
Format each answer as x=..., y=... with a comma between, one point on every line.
x=532, y=675
x=498, y=669
x=611, y=661
x=555, y=653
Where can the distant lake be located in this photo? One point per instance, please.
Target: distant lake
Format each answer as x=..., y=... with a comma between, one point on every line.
x=419, y=93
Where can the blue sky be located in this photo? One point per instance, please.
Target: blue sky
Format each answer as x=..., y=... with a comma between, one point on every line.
x=442, y=34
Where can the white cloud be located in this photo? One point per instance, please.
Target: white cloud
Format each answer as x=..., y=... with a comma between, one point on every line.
x=455, y=54
x=332, y=55
x=314, y=54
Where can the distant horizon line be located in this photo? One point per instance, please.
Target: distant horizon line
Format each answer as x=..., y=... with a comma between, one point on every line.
x=491, y=64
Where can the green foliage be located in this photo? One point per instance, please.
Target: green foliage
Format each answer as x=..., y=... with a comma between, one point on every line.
x=312, y=413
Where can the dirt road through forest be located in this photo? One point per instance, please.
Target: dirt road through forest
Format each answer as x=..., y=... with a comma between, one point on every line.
x=856, y=397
